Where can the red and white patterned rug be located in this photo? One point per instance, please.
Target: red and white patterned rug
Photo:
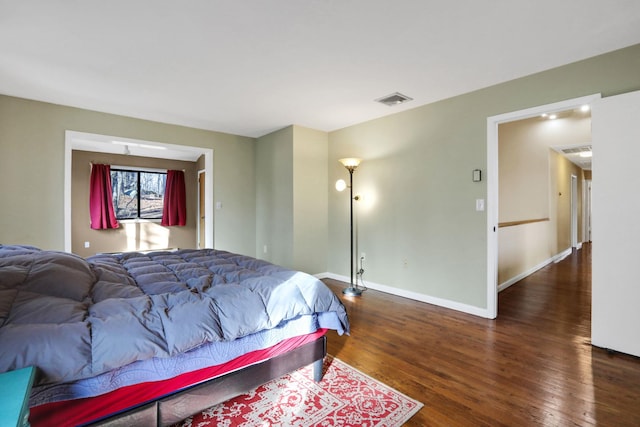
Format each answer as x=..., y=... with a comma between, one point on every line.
x=345, y=397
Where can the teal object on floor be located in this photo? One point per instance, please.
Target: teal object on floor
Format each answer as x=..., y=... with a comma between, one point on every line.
x=15, y=388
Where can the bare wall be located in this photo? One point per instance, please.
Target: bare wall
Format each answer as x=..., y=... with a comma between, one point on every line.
x=310, y=200
x=291, y=180
x=274, y=204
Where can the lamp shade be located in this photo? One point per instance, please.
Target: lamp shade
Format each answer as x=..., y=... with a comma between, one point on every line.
x=350, y=162
x=341, y=185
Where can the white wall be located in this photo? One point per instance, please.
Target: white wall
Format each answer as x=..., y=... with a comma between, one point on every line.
x=615, y=320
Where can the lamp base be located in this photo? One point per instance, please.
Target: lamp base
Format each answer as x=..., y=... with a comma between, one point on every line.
x=352, y=292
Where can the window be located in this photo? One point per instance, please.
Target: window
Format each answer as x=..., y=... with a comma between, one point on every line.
x=137, y=194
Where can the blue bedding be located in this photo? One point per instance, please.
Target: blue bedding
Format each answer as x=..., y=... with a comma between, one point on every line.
x=158, y=369
x=76, y=319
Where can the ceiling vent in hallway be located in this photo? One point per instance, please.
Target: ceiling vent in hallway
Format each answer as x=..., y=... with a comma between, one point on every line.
x=580, y=155
x=577, y=150
x=394, y=99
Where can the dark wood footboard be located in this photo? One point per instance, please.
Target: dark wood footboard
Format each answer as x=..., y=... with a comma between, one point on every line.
x=183, y=403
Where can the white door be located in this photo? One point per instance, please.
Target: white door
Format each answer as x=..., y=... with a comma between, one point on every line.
x=615, y=292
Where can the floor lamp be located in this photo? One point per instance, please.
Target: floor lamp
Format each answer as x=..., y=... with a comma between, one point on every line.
x=351, y=164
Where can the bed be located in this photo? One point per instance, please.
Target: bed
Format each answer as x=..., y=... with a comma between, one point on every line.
x=151, y=338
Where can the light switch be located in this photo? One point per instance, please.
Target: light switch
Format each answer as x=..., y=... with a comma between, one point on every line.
x=479, y=204
x=218, y=205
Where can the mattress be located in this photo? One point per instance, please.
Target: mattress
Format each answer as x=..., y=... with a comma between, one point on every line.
x=81, y=411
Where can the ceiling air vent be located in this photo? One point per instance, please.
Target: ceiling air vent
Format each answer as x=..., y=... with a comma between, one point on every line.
x=394, y=99
x=577, y=150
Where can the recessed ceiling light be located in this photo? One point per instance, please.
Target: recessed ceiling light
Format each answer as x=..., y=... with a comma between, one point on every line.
x=394, y=99
x=585, y=108
x=553, y=116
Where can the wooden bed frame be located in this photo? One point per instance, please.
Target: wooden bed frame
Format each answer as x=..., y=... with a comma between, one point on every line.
x=177, y=406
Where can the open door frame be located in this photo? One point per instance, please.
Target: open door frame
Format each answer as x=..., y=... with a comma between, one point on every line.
x=103, y=143
x=493, y=185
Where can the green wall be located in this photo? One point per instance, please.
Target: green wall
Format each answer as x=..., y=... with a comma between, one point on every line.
x=32, y=138
x=418, y=225
x=291, y=208
x=274, y=206
x=310, y=190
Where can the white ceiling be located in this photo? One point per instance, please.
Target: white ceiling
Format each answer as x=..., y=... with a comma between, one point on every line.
x=250, y=67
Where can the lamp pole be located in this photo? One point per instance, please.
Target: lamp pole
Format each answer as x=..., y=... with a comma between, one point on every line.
x=351, y=290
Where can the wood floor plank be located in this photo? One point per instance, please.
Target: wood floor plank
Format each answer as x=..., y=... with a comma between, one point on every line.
x=534, y=365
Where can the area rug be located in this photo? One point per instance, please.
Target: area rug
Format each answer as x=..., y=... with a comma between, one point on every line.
x=345, y=397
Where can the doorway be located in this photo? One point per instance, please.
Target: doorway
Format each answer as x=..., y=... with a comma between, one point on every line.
x=493, y=185
x=114, y=144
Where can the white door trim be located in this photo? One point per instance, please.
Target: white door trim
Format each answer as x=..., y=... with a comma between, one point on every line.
x=586, y=210
x=492, y=185
x=574, y=211
x=201, y=245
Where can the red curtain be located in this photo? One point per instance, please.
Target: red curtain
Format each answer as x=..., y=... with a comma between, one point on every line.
x=101, y=198
x=174, y=211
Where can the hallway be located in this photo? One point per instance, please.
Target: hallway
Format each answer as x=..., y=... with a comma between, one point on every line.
x=556, y=296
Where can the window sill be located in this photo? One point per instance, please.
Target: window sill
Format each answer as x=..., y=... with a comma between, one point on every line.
x=139, y=220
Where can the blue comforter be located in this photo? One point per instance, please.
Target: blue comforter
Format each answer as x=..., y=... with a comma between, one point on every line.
x=75, y=318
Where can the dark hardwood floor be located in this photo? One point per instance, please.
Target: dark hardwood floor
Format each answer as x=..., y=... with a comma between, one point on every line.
x=534, y=365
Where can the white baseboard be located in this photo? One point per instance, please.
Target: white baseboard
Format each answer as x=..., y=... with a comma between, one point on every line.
x=453, y=305
x=556, y=258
